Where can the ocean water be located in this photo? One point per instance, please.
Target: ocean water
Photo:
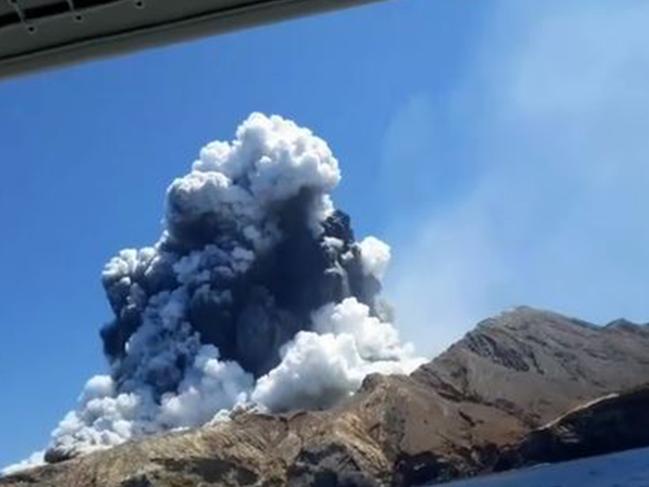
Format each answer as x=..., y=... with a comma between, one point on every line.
x=625, y=469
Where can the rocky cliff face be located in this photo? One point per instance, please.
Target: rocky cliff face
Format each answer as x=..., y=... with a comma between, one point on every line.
x=469, y=411
x=613, y=423
x=537, y=365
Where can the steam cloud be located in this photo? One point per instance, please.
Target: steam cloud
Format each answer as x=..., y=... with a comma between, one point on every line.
x=256, y=295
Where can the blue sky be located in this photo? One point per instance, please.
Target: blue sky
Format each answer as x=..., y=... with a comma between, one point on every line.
x=501, y=147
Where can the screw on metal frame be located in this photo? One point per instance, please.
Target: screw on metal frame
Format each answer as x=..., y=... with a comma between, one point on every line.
x=31, y=28
x=73, y=10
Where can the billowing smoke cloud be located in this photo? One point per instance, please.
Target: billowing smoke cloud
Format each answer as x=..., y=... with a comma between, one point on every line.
x=256, y=295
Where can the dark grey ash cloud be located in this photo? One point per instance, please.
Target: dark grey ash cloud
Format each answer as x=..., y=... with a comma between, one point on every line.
x=256, y=295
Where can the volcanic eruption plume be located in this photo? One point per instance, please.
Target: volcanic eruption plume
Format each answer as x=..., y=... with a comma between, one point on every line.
x=255, y=294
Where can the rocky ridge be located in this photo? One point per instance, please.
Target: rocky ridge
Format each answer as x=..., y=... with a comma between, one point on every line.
x=613, y=423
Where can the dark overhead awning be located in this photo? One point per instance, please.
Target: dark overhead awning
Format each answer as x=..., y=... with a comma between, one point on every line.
x=36, y=34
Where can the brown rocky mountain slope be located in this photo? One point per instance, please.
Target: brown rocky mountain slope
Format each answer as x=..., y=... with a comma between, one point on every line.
x=455, y=416
x=613, y=423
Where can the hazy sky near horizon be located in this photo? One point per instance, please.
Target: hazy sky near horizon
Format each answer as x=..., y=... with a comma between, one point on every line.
x=500, y=146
